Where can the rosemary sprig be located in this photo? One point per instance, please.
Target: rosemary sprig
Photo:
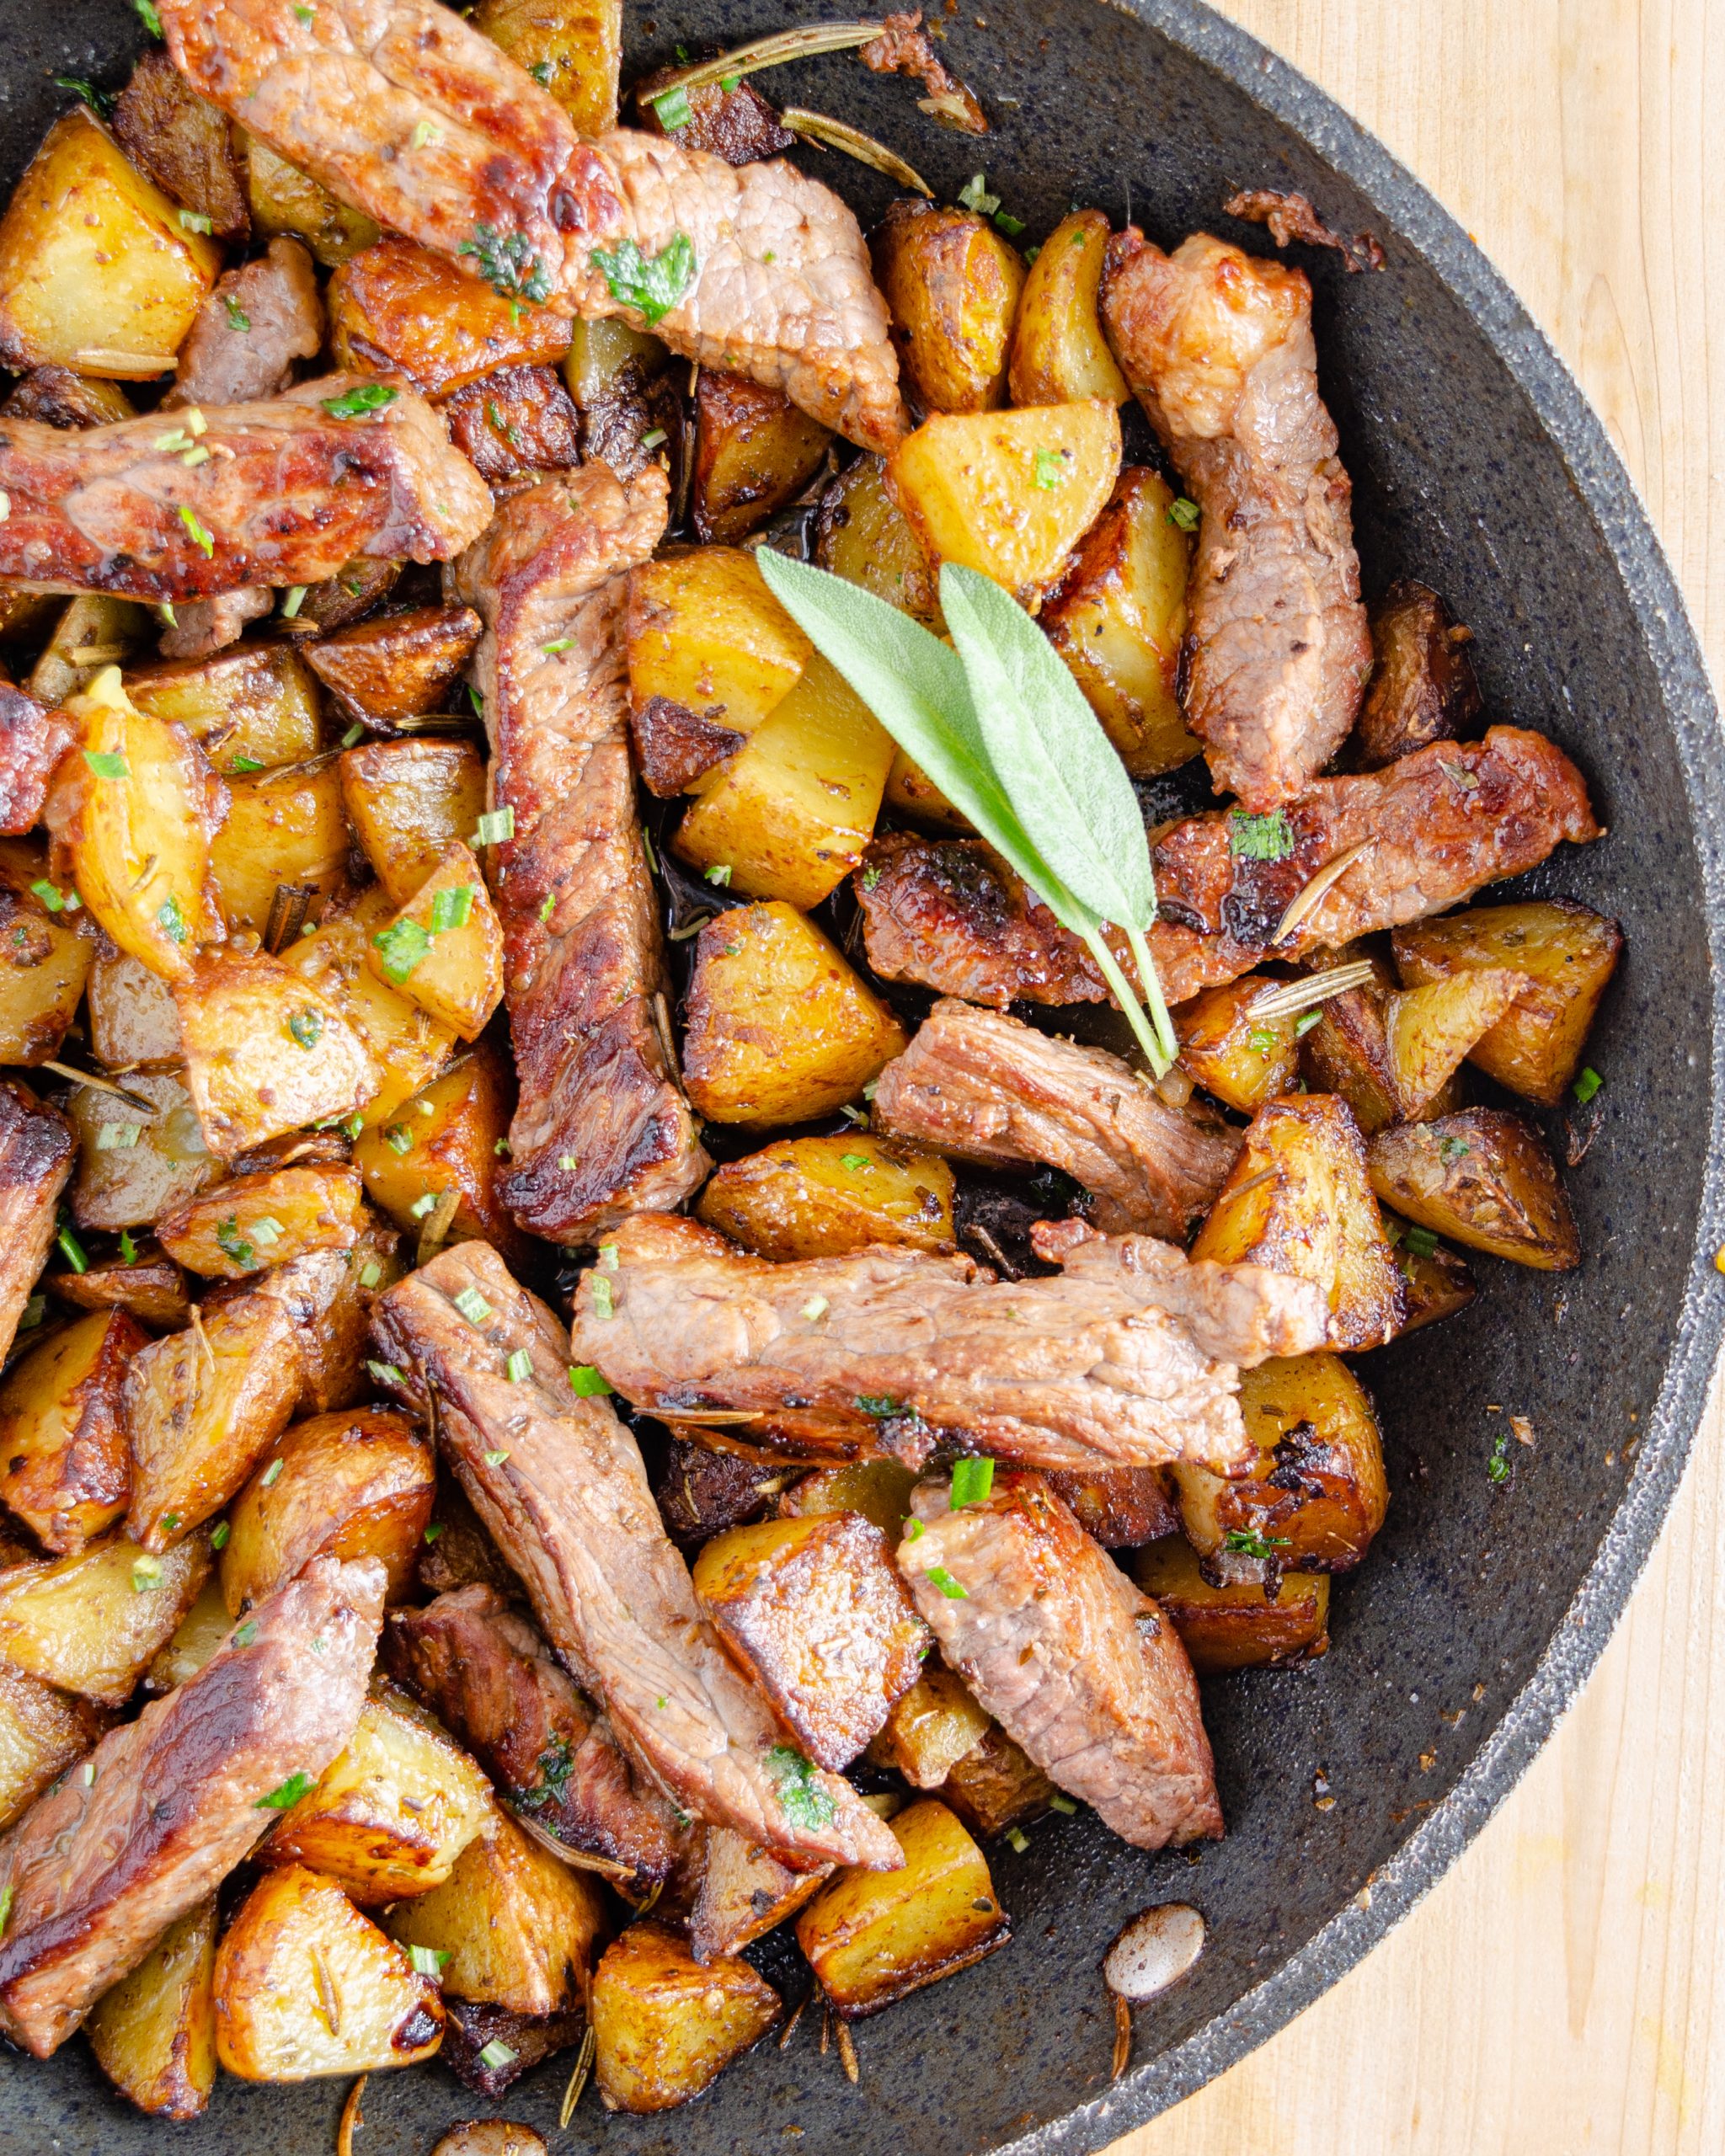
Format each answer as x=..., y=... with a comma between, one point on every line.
x=800, y=44
x=829, y=134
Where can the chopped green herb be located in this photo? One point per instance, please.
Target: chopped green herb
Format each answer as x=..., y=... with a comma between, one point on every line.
x=355, y=733
x=586, y=1382
x=246, y=1633
x=237, y=319
x=267, y=1230
x=371, y=1273
x=974, y=194
x=99, y=102
x=1587, y=1085
x=1260, y=838
x=972, y=1480
x=878, y=1404
x=1242, y=1542
x=654, y=437
x=399, y=1138
x=508, y=264
x=363, y=396
x=35, y=1311
x=424, y=132
x=231, y=1240
x=1305, y=1022
x=1059, y=1801
x=856, y=1163
x=106, y=764
x=728, y=82
x=495, y=2054
x=1010, y=225
x=425, y=1205
x=548, y=906
x=200, y=537
x=520, y=1366
x=1262, y=1041
x=939, y=1576
x=429, y=1960
x=1184, y=513
x=118, y=1137
x=913, y=1530
x=287, y=1793
x=272, y=1474
x=1421, y=1241
x=871, y=876
x=193, y=221
x=1051, y=469
x=1018, y=1840
x=152, y=23
x=802, y=1799
x=815, y=1307
x=719, y=873
x=146, y=1574
x=474, y=1306
x=402, y=946
x=387, y=1374
x=541, y=72
x=606, y=1258
x=673, y=109
x=653, y=283
x=248, y=764
x=432, y=1532
x=219, y=1534
x=495, y=1459
x=1454, y=1149
x=355, y=1124
x=451, y=908
x=501, y=1147
x=493, y=827
x=50, y=894
x=306, y=1027
x=305, y=14
x=1498, y=1468
x=171, y=920
x=72, y=1249
x=295, y=600
x=558, y=645
x=475, y=699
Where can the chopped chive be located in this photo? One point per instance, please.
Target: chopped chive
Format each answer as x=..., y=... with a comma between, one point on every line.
x=474, y=1306
x=493, y=827
x=295, y=600
x=972, y=1480
x=520, y=1366
x=218, y=1536
x=146, y=1574
x=451, y=909
x=72, y=1249
x=939, y=1576
x=586, y=1382
x=495, y=1458
x=246, y=1633
x=106, y=764
x=201, y=537
x=272, y=1474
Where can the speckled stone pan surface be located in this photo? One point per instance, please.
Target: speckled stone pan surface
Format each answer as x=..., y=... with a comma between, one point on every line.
x=1478, y=467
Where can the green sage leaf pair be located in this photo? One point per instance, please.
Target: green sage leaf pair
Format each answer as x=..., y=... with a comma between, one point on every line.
x=1000, y=727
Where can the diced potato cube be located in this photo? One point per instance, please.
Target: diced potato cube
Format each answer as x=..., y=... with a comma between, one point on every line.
x=665, y=2026
x=248, y=708
x=825, y=1197
x=42, y=1731
x=864, y=537
x=754, y=452
x=397, y=666
x=133, y=1023
x=952, y=283
x=149, y=1288
x=703, y=630
x=1060, y=354
x=67, y=1473
x=265, y=1219
x=1483, y=1178
x=400, y=312
x=92, y=1624
x=745, y=1893
x=445, y=1138
x=933, y=1727
x=327, y=1295
x=142, y=1167
x=1428, y=1030
x=46, y=950
x=282, y=198
x=1243, y=1625
x=1438, y=1280
x=154, y=2033
x=265, y=1053
x=879, y=1489
x=1346, y=1053
x=444, y=950
x=93, y=631
x=996, y=1785
x=1242, y=1060
x=195, y=1640
x=284, y=828
x=574, y=47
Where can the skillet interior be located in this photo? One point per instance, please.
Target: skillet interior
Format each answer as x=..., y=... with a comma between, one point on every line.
x=1477, y=467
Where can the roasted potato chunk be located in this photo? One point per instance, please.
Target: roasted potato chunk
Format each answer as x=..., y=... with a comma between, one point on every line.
x=97, y=270
x=1346, y=1053
x=284, y=828
x=487, y=2049
x=1485, y=1179
x=1422, y=688
x=931, y=1728
x=61, y=398
x=703, y=630
x=306, y=1986
x=148, y=1287
x=408, y=802
x=352, y=1485
x=248, y=708
x=1242, y=1060
x=1059, y=356
x=154, y=2034
x=407, y=1046
x=1245, y=1624
x=863, y=536
x=400, y=313
x=879, y=1489
x=1564, y=955
x=791, y=814
x=397, y=666
x=619, y=380
x=781, y=1028
x=133, y=1023
x=1316, y=1495
x=92, y=1624
x=1010, y=494
x=514, y=424
x=196, y=1637
x=327, y=1295
x=1428, y=1031
x=445, y=1138
x=1118, y=618
x=1438, y=1280
x=573, y=47
x=665, y=2026
x=283, y=199
x=872, y=1937
x=47, y=945
x=951, y=282
x=1298, y=1200
x=443, y=951
x=67, y=1473
x=996, y=1786
x=754, y=452
x=92, y=633
x=699, y=1491
x=42, y=1731
x=824, y=1196
x=265, y=1051
x=269, y=1219
x=129, y=1170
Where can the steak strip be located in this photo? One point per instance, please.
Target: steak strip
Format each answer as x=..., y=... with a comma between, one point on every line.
x=559, y=1482
x=601, y=1127
x=1441, y=823
x=37, y=1153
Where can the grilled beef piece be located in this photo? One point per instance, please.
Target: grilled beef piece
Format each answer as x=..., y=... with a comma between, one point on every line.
x=1217, y=347
x=601, y=1127
x=168, y=1805
x=776, y=283
x=738, y=124
x=32, y=741
x=287, y=493
x=517, y=421
x=202, y=626
x=1422, y=686
x=890, y=1346
x=558, y=1482
x=984, y=1087
x=486, y=1674
x=37, y=1150
x=259, y=319
x=1437, y=826
x=1075, y=1663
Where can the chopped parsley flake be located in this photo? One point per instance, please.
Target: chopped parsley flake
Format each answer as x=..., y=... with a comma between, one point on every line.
x=878, y=1403
x=1259, y=838
x=233, y=1244
x=1498, y=1468
x=105, y=764
x=237, y=319
x=287, y=1793
x=363, y=396
x=152, y=23
x=1242, y=1542
x=804, y=1803
x=1587, y=1085
x=1051, y=469
x=171, y=920
x=306, y=1028
x=508, y=264
x=653, y=283
x=1455, y=1149
x=246, y=1633
x=856, y=1163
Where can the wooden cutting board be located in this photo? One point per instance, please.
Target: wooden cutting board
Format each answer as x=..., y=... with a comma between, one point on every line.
x=1562, y=1990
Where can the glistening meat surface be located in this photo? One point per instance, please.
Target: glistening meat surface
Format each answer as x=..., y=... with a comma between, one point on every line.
x=1437, y=826
x=601, y=1127
x=558, y=1482
x=37, y=1151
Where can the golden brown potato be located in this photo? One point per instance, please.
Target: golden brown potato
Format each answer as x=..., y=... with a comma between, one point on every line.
x=42, y=1731
x=1564, y=954
x=397, y=666
x=265, y=1051
x=408, y=802
x=780, y=1027
x=1245, y=1624
x=933, y=1726
x=1118, y=618
x=201, y=1407
x=1428, y=1030
x=1298, y=1200
x=60, y=398
x=1346, y=1052
x=92, y=1624
x=574, y=48
x=400, y=313
x=306, y=1986
x=879, y=1489
x=133, y=1023
x=996, y=1786
x=67, y=1473
x=745, y=1893
x=703, y=630
x=1485, y=1179
x=1438, y=1281
x=952, y=283
x=1060, y=354
x=446, y=1137
x=196, y=1637
x=790, y=815
x=284, y=828
x=623, y=389
x=154, y=2033
x=754, y=452
x=282, y=198
x=327, y=1295
x=184, y=142
x=268, y=1219
x=98, y=270
x=47, y=945
x=148, y=1286
x=862, y=536
x=1243, y=1060
x=664, y=2027
x=94, y=632
x=358, y=588
x=872, y=1937
x=824, y=1196
x=147, y=1166
x=1316, y=1495
x=248, y=708
x=1422, y=688
x=352, y=1485
x=443, y=951
x=913, y=793
x=1010, y=494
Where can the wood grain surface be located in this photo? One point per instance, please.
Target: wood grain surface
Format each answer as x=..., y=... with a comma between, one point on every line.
x=1562, y=1990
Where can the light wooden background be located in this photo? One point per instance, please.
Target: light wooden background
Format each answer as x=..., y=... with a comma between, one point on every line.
x=1563, y=1989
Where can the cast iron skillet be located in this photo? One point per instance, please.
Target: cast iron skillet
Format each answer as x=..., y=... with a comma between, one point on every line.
x=1476, y=467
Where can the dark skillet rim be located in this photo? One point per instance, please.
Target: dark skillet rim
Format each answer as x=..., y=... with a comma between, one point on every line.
x=1688, y=703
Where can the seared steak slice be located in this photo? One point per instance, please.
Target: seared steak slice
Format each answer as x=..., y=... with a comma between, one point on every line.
x=1436, y=825
x=404, y=110
x=1075, y=1663
x=259, y=319
x=203, y=626
x=37, y=1150
x=601, y=1127
x=1217, y=347
x=896, y=1346
x=558, y=1482
x=287, y=493
x=983, y=1086
x=488, y=1675
x=166, y=1806
x=32, y=741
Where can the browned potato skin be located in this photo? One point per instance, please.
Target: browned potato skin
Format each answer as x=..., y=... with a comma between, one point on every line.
x=407, y=802
x=1438, y=1285
x=328, y=1296
x=250, y=1079
x=864, y=536
x=256, y=702
x=154, y=2033
x=453, y=1148
x=397, y=666
x=665, y=2026
x=932, y=1727
x=1346, y=1054
x=1565, y=953
x=824, y=1196
x=151, y=1288
x=1243, y=1625
x=42, y=1731
x=1243, y=1060
x=404, y=314
x=700, y=1493
x=184, y=143
x=127, y=1186
x=67, y=1472
x=86, y=1624
x=515, y=422
x=1496, y=1190
x=284, y=827
x=321, y=1207
x=1428, y=1030
x=754, y=452
x=952, y=283
x=1117, y=1506
x=879, y=1489
x=996, y=1785
x=358, y=1483
x=744, y=1892
x=573, y=46
x=1422, y=688
x=58, y=397
x=45, y=958
x=1059, y=351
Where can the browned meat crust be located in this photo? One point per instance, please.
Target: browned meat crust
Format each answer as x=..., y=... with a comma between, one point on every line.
x=259, y=319
x=1441, y=824
x=1422, y=687
x=286, y=494
x=516, y=421
x=1217, y=347
x=739, y=125
x=559, y=1483
x=36, y=1154
x=674, y=745
x=405, y=111
x=585, y=965
x=32, y=742
x=904, y=48
x=1292, y=217
x=485, y=1671
x=201, y=626
x=183, y=143
x=894, y=1346
x=1075, y=1663
x=167, y=1805
x=984, y=1087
